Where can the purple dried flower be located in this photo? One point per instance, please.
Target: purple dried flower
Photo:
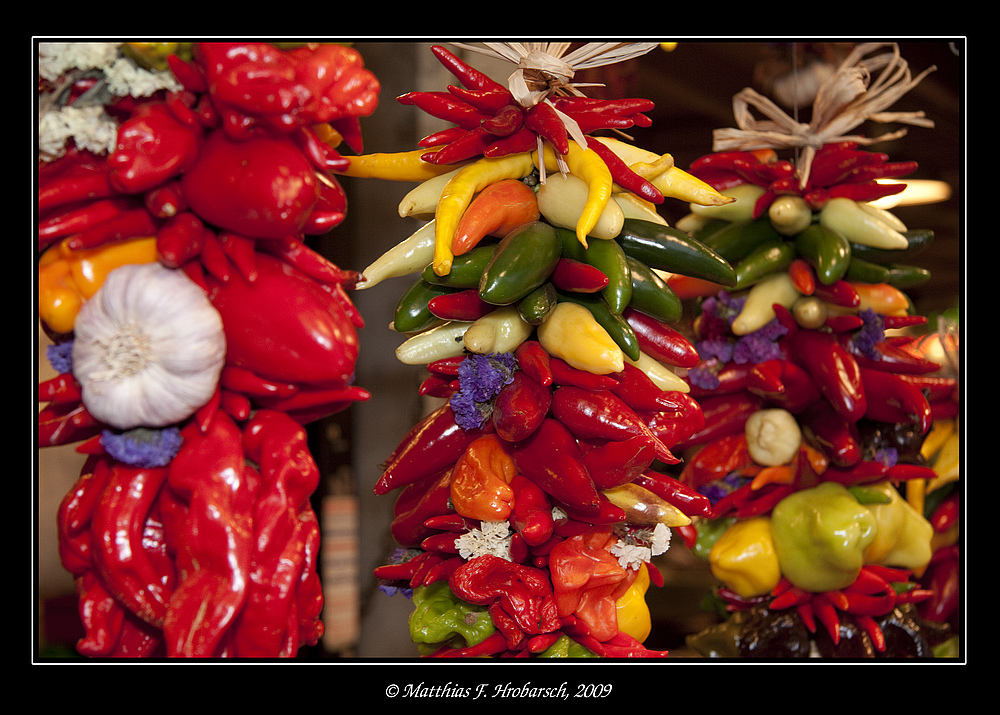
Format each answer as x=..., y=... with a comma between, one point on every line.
x=143, y=447
x=60, y=356
x=480, y=379
x=871, y=332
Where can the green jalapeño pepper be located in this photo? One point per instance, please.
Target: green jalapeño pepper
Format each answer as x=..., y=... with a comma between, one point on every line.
x=466, y=270
x=826, y=250
x=440, y=618
x=651, y=294
x=820, y=536
x=667, y=249
x=523, y=261
x=607, y=256
x=412, y=312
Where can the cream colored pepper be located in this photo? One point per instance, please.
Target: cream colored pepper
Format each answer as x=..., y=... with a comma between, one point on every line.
x=572, y=334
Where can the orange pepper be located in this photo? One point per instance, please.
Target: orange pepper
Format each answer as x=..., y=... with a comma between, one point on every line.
x=68, y=278
x=882, y=298
x=588, y=581
x=480, y=481
x=496, y=211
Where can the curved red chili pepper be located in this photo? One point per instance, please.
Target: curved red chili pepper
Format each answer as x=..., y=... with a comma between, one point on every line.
x=544, y=121
x=837, y=438
x=784, y=384
x=675, y=492
x=660, y=341
x=890, y=399
x=613, y=463
x=532, y=513
x=637, y=390
x=551, y=458
x=465, y=305
x=578, y=277
x=724, y=415
x=565, y=374
x=834, y=370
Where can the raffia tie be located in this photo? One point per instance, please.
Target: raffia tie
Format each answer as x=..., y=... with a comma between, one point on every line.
x=844, y=101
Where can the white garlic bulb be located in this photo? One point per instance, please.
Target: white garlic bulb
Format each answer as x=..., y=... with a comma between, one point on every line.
x=148, y=348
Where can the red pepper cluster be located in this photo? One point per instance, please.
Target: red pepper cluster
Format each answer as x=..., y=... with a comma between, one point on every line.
x=569, y=434
x=837, y=170
x=490, y=122
x=215, y=553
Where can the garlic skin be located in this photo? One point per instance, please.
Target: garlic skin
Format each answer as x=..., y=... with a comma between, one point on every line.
x=148, y=348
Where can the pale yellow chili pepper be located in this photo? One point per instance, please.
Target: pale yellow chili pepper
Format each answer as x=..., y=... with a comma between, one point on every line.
x=589, y=166
x=400, y=166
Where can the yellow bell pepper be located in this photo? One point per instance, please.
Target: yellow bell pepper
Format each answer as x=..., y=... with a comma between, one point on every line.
x=67, y=278
x=903, y=538
x=573, y=334
x=820, y=536
x=632, y=609
x=744, y=558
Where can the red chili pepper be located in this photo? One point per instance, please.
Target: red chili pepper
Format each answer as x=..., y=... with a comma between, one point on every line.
x=437, y=386
x=433, y=444
x=532, y=514
x=624, y=176
x=839, y=293
x=830, y=432
x=677, y=427
x=241, y=253
x=130, y=223
x=551, y=459
x=660, y=341
x=826, y=614
x=716, y=459
x=520, y=407
x=180, y=239
x=862, y=472
x=215, y=540
x=724, y=415
x=544, y=121
x=446, y=366
x=535, y=361
x=802, y=276
x=834, y=370
x=589, y=414
x=60, y=389
x=565, y=374
x=784, y=384
x=896, y=359
x=891, y=399
x=66, y=423
x=613, y=463
x=638, y=391
x=943, y=578
x=675, y=492
x=843, y=324
x=117, y=547
x=76, y=219
x=466, y=74
x=936, y=388
x=605, y=515
x=731, y=378
x=445, y=106
x=578, y=277
x=520, y=141
x=947, y=513
x=465, y=305
x=470, y=145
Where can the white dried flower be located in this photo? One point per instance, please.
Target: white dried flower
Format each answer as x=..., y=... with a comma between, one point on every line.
x=57, y=58
x=638, y=546
x=492, y=537
x=90, y=128
x=125, y=78
x=148, y=348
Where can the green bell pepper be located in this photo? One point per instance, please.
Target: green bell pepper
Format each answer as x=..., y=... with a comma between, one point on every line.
x=523, y=261
x=820, y=536
x=440, y=618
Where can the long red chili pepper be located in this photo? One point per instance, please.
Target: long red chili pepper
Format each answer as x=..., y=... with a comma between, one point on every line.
x=551, y=459
x=834, y=370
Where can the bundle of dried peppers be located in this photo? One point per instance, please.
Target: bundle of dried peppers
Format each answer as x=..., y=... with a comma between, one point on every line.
x=531, y=502
x=193, y=535
x=824, y=413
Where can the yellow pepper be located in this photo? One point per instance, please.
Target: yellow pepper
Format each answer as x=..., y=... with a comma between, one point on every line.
x=67, y=278
x=904, y=536
x=820, y=536
x=632, y=609
x=459, y=192
x=571, y=333
x=585, y=164
x=744, y=558
x=399, y=166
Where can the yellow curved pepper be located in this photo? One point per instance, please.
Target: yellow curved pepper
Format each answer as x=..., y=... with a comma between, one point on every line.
x=820, y=536
x=67, y=278
x=399, y=166
x=744, y=558
x=459, y=192
x=632, y=609
x=904, y=536
x=573, y=334
x=585, y=164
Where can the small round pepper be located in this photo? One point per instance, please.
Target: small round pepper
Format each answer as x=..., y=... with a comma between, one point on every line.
x=744, y=558
x=820, y=536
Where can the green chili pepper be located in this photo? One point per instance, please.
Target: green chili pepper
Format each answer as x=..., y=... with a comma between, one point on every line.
x=709, y=531
x=566, y=647
x=769, y=257
x=615, y=325
x=735, y=241
x=466, y=270
x=441, y=618
x=917, y=239
x=665, y=248
x=651, y=294
x=608, y=257
x=523, y=260
x=862, y=271
x=412, y=313
x=826, y=250
x=904, y=277
x=536, y=306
